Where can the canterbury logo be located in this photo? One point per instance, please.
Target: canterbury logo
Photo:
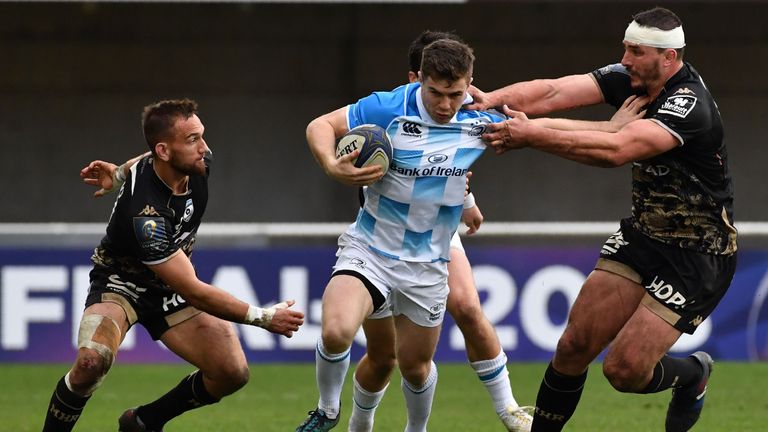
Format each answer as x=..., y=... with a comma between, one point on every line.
x=411, y=128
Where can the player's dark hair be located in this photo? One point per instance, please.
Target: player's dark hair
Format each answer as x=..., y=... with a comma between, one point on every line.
x=158, y=119
x=659, y=17
x=425, y=38
x=662, y=19
x=446, y=59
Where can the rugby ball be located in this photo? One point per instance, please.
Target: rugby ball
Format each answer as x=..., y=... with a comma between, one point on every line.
x=373, y=143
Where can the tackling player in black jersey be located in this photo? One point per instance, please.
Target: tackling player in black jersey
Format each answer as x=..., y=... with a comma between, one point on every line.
x=142, y=273
x=673, y=259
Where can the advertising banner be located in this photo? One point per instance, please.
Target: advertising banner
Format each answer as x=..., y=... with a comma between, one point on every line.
x=526, y=293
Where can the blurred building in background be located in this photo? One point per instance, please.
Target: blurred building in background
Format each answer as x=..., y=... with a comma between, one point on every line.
x=74, y=77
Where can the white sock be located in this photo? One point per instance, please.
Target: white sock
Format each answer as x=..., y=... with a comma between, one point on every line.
x=364, y=405
x=495, y=377
x=418, y=400
x=331, y=370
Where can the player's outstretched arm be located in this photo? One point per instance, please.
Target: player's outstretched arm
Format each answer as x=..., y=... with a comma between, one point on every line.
x=541, y=96
x=106, y=175
x=322, y=133
x=632, y=109
x=638, y=140
x=179, y=274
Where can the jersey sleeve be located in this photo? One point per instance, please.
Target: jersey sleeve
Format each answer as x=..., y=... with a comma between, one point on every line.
x=614, y=83
x=379, y=108
x=683, y=114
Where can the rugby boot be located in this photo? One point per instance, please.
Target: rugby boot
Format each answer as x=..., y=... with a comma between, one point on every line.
x=517, y=418
x=129, y=422
x=686, y=404
x=318, y=421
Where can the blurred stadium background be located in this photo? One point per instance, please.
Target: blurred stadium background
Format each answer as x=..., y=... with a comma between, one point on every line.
x=75, y=75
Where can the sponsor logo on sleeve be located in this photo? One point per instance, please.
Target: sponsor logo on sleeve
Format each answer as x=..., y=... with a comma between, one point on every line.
x=679, y=106
x=151, y=233
x=357, y=262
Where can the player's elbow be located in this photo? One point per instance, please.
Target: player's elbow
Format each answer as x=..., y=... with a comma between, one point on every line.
x=610, y=161
x=313, y=126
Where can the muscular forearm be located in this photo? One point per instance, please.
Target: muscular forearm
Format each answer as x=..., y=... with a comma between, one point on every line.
x=573, y=125
x=216, y=302
x=588, y=147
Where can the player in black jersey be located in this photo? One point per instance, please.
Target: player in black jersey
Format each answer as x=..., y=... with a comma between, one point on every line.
x=142, y=273
x=673, y=259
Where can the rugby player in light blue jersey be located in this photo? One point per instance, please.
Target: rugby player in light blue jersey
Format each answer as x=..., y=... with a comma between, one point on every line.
x=484, y=351
x=394, y=257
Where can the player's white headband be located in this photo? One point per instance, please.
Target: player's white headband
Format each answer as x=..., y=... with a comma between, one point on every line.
x=654, y=37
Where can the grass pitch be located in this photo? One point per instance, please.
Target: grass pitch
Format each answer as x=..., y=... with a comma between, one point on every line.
x=279, y=396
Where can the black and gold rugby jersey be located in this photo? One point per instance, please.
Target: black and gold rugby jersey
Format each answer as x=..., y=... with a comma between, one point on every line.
x=149, y=223
x=683, y=197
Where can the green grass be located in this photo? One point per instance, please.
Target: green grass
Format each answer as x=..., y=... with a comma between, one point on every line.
x=278, y=397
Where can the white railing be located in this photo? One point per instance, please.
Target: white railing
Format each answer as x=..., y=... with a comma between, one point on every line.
x=329, y=229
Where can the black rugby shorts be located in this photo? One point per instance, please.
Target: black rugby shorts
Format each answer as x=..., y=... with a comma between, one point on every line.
x=682, y=286
x=157, y=308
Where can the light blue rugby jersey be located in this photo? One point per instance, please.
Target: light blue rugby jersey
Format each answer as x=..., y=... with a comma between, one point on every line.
x=414, y=210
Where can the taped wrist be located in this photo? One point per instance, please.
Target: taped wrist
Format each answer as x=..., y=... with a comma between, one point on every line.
x=118, y=178
x=260, y=317
x=469, y=201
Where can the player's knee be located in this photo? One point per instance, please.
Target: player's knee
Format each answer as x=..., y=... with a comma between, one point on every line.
x=624, y=374
x=383, y=365
x=230, y=375
x=89, y=370
x=97, y=340
x=572, y=345
x=237, y=376
x=466, y=312
x=415, y=373
x=337, y=339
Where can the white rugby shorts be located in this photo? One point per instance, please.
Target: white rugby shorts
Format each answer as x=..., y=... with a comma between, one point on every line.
x=456, y=242
x=414, y=289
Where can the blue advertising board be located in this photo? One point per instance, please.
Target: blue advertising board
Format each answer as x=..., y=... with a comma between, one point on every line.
x=526, y=293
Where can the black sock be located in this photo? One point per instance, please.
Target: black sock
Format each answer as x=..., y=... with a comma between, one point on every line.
x=673, y=372
x=557, y=399
x=188, y=395
x=64, y=409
